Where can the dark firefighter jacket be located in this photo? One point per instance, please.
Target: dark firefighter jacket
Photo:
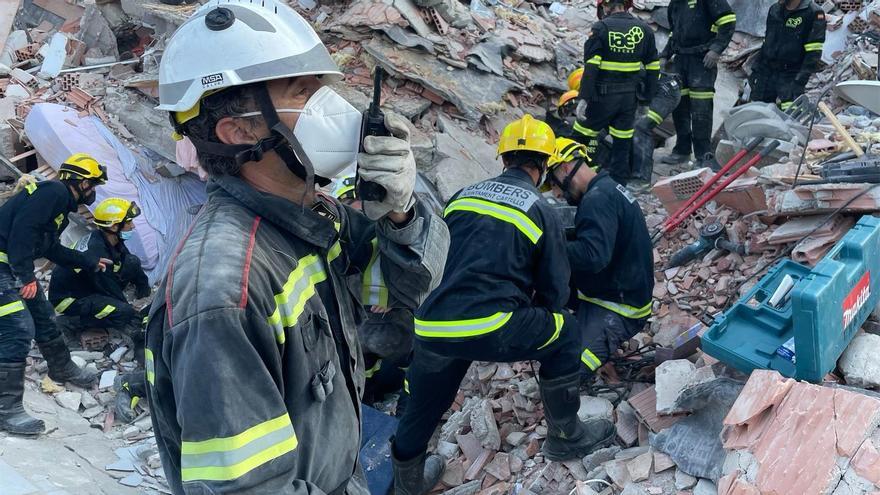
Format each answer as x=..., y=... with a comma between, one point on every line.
x=611, y=258
x=507, y=252
x=619, y=54
x=254, y=370
x=698, y=26
x=74, y=283
x=31, y=223
x=794, y=39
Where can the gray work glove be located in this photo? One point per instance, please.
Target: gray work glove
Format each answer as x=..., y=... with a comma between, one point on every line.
x=388, y=161
x=710, y=61
x=664, y=63
x=581, y=111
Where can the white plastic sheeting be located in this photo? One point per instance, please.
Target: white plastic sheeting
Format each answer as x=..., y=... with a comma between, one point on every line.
x=168, y=205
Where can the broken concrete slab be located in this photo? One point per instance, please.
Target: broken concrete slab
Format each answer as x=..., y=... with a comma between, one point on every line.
x=672, y=377
x=600, y=457
x=705, y=487
x=474, y=93
x=684, y=481
x=69, y=400
x=150, y=127
x=461, y=159
x=824, y=198
x=484, y=426
x=859, y=362
x=640, y=468
x=96, y=33
x=595, y=408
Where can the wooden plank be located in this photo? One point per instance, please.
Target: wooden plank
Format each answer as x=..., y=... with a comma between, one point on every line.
x=841, y=130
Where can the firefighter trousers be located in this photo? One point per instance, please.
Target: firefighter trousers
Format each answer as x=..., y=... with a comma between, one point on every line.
x=770, y=85
x=22, y=321
x=438, y=366
x=603, y=332
x=617, y=113
x=693, y=116
x=100, y=311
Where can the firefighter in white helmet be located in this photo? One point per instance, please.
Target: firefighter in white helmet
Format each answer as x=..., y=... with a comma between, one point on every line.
x=254, y=370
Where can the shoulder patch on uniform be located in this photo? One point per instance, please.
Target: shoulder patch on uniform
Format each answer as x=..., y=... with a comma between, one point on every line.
x=498, y=192
x=626, y=194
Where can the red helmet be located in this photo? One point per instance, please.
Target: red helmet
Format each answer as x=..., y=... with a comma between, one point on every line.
x=600, y=6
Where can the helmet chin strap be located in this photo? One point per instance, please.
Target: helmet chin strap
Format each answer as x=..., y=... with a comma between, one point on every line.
x=566, y=184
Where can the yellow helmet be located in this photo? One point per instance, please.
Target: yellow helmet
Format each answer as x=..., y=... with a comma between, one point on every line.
x=113, y=211
x=82, y=166
x=343, y=188
x=574, y=79
x=567, y=97
x=527, y=134
x=566, y=151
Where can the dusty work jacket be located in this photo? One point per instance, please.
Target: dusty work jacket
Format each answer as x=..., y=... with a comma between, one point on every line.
x=254, y=370
x=68, y=284
x=507, y=252
x=794, y=39
x=619, y=54
x=31, y=223
x=698, y=26
x=612, y=257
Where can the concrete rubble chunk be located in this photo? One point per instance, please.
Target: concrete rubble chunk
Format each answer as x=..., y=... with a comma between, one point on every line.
x=633, y=489
x=672, y=378
x=662, y=462
x=600, y=457
x=618, y=472
x=705, y=487
x=447, y=449
x=92, y=412
x=640, y=468
x=484, y=426
x=516, y=438
x=69, y=400
x=107, y=379
x=469, y=488
x=595, y=408
x=133, y=480
x=461, y=158
x=860, y=363
x=684, y=481
x=88, y=401
x=500, y=466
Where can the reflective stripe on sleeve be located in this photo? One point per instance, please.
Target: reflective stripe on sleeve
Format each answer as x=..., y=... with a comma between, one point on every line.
x=655, y=65
x=504, y=213
x=624, y=310
x=64, y=304
x=596, y=60
x=461, y=328
x=4, y=258
x=685, y=92
x=702, y=95
x=725, y=19
x=298, y=289
x=373, y=369
x=105, y=311
x=558, y=321
x=13, y=307
x=590, y=359
x=620, y=133
x=30, y=187
x=150, y=365
x=655, y=117
x=374, y=292
x=814, y=47
x=228, y=458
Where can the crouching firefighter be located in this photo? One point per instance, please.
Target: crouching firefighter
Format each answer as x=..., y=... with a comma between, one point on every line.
x=97, y=299
x=619, y=55
x=701, y=31
x=31, y=223
x=791, y=52
x=611, y=256
x=254, y=369
x=502, y=299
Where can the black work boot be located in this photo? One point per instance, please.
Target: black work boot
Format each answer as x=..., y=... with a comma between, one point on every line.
x=13, y=417
x=676, y=158
x=567, y=436
x=416, y=476
x=131, y=388
x=708, y=160
x=61, y=368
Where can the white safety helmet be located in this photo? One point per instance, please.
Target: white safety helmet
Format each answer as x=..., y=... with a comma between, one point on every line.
x=236, y=42
x=228, y=43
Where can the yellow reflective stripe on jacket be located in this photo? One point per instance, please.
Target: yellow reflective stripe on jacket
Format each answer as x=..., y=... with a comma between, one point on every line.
x=334, y=252
x=228, y=458
x=105, y=311
x=461, y=328
x=30, y=187
x=702, y=95
x=4, y=258
x=504, y=213
x=586, y=131
x=685, y=92
x=785, y=105
x=624, y=310
x=373, y=369
x=298, y=289
x=596, y=60
x=64, y=304
x=621, y=66
x=590, y=359
x=13, y=307
x=558, y=320
x=814, y=47
x=725, y=19
x=374, y=291
x=150, y=365
x=655, y=117
x=655, y=65
x=621, y=134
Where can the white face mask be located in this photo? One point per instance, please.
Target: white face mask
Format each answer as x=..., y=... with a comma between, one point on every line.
x=328, y=129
